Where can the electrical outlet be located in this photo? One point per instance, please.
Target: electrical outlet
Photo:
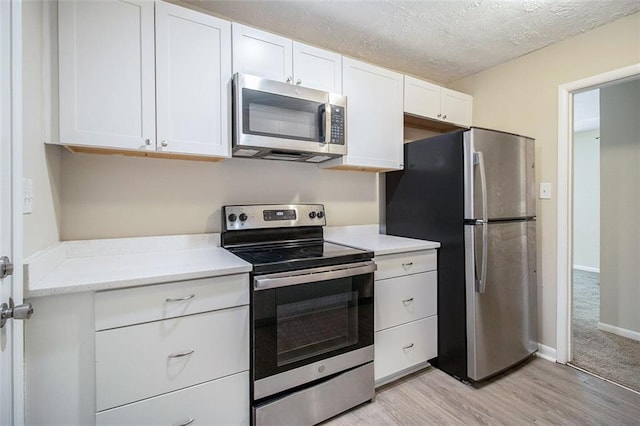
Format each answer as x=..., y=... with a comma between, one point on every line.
x=545, y=190
x=27, y=199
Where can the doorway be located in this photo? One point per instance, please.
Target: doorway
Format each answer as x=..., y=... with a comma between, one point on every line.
x=605, y=329
x=615, y=247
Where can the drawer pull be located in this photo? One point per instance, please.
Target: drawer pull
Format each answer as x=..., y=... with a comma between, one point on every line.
x=181, y=299
x=188, y=422
x=181, y=354
x=407, y=347
x=405, y=301
x=407, y=265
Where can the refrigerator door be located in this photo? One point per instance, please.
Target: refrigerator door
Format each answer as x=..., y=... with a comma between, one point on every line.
x=501, y=321
x=509, y=175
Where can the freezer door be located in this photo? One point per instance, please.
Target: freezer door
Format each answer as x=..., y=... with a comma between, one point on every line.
x=501, y=321
x=509, y=175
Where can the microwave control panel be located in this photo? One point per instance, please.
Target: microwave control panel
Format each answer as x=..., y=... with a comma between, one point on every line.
x=337, y=125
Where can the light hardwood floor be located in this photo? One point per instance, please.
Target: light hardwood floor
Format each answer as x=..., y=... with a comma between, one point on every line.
x=538, y=392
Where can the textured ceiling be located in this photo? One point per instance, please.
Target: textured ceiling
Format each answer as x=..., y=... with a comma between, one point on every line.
x=438, y=40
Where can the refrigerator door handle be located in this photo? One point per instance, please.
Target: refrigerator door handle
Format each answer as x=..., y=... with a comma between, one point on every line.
x=481, y=283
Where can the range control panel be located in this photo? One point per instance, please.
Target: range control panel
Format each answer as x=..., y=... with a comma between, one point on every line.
x=272, y=216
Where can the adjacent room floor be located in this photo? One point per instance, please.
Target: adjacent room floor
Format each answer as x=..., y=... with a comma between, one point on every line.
x=606, y=354
x=540, y=392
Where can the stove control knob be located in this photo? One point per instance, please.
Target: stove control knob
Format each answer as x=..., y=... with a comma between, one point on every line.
x=232, y=217
x=320, y=215
x=243, y=217
x=312, y=215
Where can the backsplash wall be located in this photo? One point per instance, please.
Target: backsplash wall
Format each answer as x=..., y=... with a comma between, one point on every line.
x=109, y=196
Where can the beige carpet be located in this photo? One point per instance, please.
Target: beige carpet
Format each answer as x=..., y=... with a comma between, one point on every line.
x=608, y=355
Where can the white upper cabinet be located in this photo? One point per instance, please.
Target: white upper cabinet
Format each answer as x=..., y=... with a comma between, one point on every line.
x=317, y=68
x=114, y=78
x=374, y=118
x=261, y=53
x=107, y=68
x=193, y=72
x=279, y=58
x=429, y=100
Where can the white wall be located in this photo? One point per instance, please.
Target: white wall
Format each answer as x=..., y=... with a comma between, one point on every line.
x=620, y=204
x=586, y=200
x=521, y=96
x=113, y=196
x=42, y=165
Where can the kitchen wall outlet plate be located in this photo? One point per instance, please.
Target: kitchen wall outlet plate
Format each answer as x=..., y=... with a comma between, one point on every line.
x=545, y=190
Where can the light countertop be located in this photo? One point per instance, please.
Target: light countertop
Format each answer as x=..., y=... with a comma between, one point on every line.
x=92, y=265
x=367, y=237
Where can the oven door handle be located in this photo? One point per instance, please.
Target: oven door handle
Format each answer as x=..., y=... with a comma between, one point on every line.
x=265, y=282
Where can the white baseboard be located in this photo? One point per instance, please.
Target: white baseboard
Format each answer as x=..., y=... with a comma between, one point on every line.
x=546, y=352
x=630, y=334
x=586, y=268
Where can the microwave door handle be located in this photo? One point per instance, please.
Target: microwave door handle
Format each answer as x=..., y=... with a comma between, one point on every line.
x=327, y=123
x=322, y=124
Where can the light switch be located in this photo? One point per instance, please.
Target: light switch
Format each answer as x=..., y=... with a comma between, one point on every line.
x=27, y=199
x=545, y=190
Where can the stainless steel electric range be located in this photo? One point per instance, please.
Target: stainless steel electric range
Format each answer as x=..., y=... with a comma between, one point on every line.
x=311, y=313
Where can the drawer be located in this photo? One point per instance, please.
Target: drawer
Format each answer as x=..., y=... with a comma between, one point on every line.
x=143, y=360
x=116, y=308
x=396, y=265
x=404, y=299
x=220, y=402
x=404, y=346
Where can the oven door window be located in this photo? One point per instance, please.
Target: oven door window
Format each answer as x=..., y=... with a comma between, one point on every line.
x=301, y=324
x=316, y=326
x=268, y=114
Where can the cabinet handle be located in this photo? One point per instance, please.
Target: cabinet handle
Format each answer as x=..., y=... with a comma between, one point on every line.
x=188, y=422
x=439, y=115
x=181, y=299
x=299, y=82
x=407, y=347
x=181, y=354
x=147, y=141
x=444, y=116
x=164, y=143
x=407, y=265
x=405, y=301
x=289, y=79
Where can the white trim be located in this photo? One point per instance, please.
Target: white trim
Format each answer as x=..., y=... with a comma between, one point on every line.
x=564, y=212
x=546, y=352
x=586, y=268
x=17, y=238
x=624, y=332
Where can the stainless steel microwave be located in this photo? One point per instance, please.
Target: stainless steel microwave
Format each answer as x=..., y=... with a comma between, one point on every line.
x=282, y=121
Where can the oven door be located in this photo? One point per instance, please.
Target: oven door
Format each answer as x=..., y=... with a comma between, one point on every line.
x=310, y=324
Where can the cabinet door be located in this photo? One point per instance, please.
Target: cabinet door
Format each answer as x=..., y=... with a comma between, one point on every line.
x=262, y=54
x=421, y=98
x=374, y=118
x=317, y=68
x=193, y=71
x=456, y=107
x=107, y=80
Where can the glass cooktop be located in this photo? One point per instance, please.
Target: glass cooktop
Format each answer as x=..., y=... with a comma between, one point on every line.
x=282, y=257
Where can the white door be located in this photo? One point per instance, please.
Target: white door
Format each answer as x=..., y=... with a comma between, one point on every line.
x=107, y=81
x=262, y=54
x=193, y=75
x=11, y=356
x=317, y=68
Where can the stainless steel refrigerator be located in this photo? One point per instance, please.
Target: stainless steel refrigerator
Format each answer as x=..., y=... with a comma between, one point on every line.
x=473, y=191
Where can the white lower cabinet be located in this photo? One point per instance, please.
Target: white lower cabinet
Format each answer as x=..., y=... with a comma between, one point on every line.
x=141, y=361
x=223, y=401
x=406, y=308
x=402, y=347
